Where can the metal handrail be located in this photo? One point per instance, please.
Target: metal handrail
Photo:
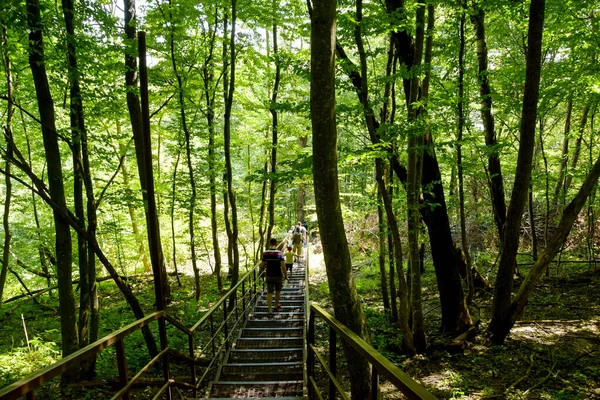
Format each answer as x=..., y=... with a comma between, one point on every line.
x=28, y=385
x=380, y=364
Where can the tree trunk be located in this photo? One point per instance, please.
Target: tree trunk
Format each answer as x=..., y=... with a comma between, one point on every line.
x=301, y=198
x=274, y=131
x=381, y=258
x=345, y=299
x=209, y=95
x=135, y=115
x=130, y=207
x=504, y=279
x=230, y=87
x=459, y=139
x=564, y=158
x=9, y=153
x=577, y=150
x=88, y=302
x=495, y=171
x=57, y=193
x=455, y=315
x=570, y=213
x=173, y=196
x=188, y=154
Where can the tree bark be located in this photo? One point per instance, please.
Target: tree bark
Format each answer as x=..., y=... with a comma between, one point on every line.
x=209, y=96
x=230, y=87
x=9, y=152
x=274, y=130
x=188, y=154
x=57, y=192
x=460, y=171
x=88, y=301
x=135, y=115
x=577, y=151
x=345, y=299
x=382, y=251
x=564, y=158
x=496, y=181
x=504, y=279
x=131, y=209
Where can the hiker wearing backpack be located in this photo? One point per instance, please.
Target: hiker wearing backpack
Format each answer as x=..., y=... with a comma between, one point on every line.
x=298, y=239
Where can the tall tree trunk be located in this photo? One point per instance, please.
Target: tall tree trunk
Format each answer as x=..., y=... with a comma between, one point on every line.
x=301, y=198
x=372, y=124
x=209, y=96
x=188, y=154
x=382, y=251
x=63, y=244
x=135, y=115
x=9, y=153
x=173, y=196
x=227, y=146
x=455, y=315
x=88, y=301
x=131, y=209
x=564, y=158
x=460, y=171
x=570, y=213
x=496, y=182
x=274, y=128
x=345, y=299
x=577, y=151
x=504, y=279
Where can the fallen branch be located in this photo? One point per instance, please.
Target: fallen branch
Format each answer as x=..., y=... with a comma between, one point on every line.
x=511, y=387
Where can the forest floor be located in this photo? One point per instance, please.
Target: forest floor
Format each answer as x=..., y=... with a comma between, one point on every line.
x=552, y=353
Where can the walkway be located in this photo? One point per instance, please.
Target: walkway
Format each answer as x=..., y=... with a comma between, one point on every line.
x=267, y=359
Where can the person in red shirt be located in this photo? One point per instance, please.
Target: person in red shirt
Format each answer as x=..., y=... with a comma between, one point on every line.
x=273, y=261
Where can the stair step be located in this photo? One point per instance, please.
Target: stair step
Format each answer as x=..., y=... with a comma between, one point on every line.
x=265, y=315
x=266, y=355
x=291, y=371
x=275, y=323
x=283, y=303
x=256, y=389
x=279, y=332
x=284, y=308
x=269, y=343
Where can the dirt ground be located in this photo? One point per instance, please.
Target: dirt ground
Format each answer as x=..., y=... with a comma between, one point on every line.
x=552, y=353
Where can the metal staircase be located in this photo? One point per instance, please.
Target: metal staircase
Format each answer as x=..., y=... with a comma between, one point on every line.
x=267, y=359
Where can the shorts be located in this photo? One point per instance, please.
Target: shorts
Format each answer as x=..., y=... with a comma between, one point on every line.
x=289, y=267
x=274, y=284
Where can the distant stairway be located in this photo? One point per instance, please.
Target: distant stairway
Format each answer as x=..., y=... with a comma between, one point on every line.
x=267, y=359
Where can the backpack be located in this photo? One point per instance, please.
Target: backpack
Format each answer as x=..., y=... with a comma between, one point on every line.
x=297, y=236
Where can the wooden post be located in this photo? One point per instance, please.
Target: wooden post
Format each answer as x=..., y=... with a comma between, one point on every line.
x=332, y=362
x=153, y=232
x=122, y=365
x=310, y=361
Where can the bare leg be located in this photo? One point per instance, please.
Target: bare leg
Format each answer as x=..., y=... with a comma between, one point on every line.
x=277, y=294
x=269, y=297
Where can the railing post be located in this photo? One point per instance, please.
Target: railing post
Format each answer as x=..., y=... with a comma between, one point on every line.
x=244, y=297
x=374, y=383
x=212, y=334
x=122, y=365
x=225, y=330
x=30, y=395
x=310, y=357
x=332, y=362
